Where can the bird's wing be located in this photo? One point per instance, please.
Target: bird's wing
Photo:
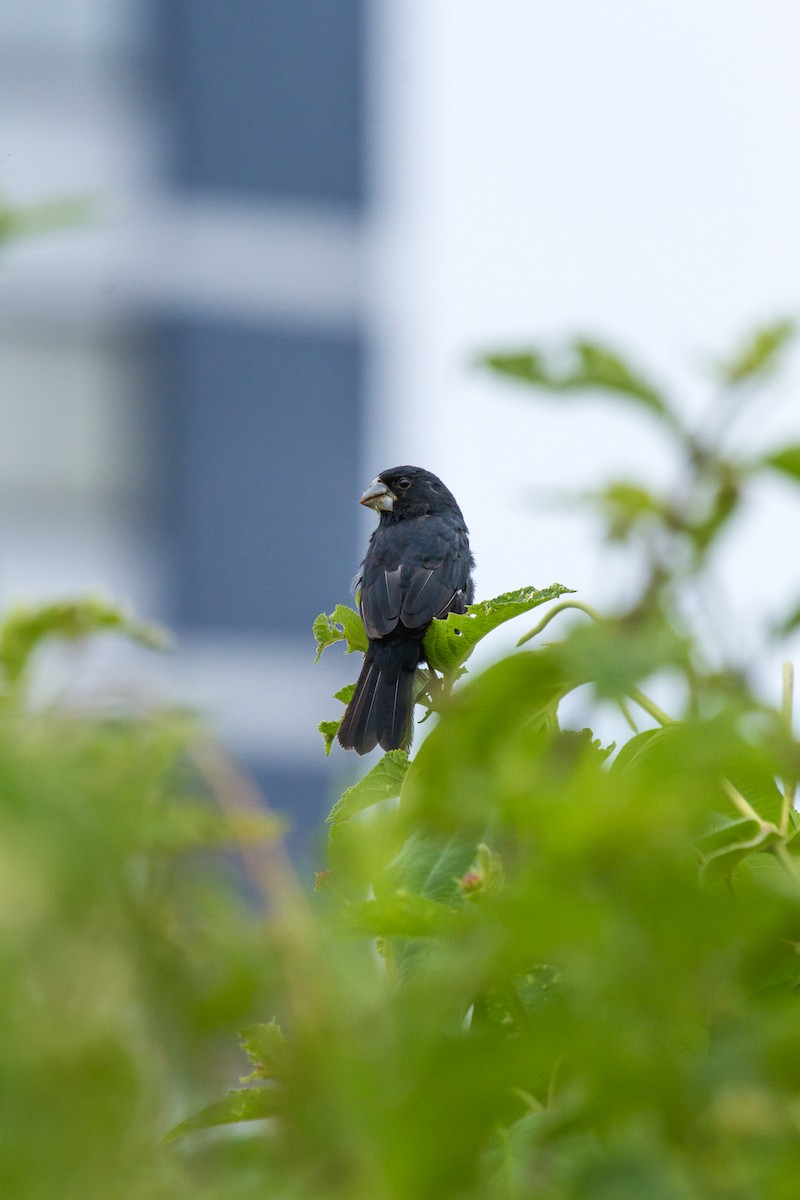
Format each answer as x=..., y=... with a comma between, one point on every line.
x=428, y=581
x=381, y=598
x=434, y=590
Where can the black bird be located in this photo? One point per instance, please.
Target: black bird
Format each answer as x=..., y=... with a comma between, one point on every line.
x=417, y=566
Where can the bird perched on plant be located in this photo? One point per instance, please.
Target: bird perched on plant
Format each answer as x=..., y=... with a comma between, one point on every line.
x=418, y=566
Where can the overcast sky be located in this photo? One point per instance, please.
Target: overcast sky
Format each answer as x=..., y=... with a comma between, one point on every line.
x=617, y=169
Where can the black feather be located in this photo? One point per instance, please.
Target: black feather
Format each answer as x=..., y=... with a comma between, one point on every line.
x=417, y=566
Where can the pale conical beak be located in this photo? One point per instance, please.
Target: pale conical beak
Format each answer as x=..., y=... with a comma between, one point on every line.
x=379, y=497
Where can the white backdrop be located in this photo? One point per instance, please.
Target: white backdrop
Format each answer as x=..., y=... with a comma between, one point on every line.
x=616, y=169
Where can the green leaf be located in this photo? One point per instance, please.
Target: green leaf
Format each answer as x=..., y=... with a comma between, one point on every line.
x=584, y=366
x=786, y=461
x=329, y=730
x=726, y=846
x=429, y=865
x=626, y=506
x=47, y=217
x=527, y=996
x=342, y=625
x=787, y=624
x=404, y=915
x=630, y=754
x=617, y=654
x=723, y=503
x=383, y=782
x=759, y=353
x=265, y=1046
x=450, y=641
x=760, y=790
x=497, y=715
x=26, y=626
x=243, y=1104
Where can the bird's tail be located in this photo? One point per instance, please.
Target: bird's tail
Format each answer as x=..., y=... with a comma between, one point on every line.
x=380, y=710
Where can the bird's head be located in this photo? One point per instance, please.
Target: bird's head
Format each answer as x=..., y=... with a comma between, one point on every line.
x=402, y=492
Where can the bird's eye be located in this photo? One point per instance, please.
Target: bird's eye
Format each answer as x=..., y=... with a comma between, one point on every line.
x=404, y=484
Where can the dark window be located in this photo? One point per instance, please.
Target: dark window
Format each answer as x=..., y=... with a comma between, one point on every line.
x=265, y=97
x=259, y=472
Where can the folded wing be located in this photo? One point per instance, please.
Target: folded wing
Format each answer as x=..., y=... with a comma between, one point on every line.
x=414, y=591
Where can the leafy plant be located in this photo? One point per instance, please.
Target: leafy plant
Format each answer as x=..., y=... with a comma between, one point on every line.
x=126, y=948
x=537, y=966
x=544, y=967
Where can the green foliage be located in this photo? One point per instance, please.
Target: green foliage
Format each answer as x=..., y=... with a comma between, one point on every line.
x=537, y=967
x=628, y=508
x=789, y=623
x=587, y=974
x=126, y=948
x=329, y=729
x=242, y=1104
x=382, y=782
x=581, y=367
x=32, y=220
x=265, y=1046
x=449, y=643
x=785, y=460
x=26, y=627
x=759, y=354
x=681, y=526
x=343, y=625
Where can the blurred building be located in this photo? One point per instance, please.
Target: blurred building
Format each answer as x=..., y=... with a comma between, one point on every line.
x=181, y=380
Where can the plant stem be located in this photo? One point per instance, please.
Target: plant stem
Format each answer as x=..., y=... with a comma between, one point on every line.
x=744, y=806
x=787, y=861
x=635, y=694
x=547, y=618
x=789, y=785
x=626, y=712
x=650, y=707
